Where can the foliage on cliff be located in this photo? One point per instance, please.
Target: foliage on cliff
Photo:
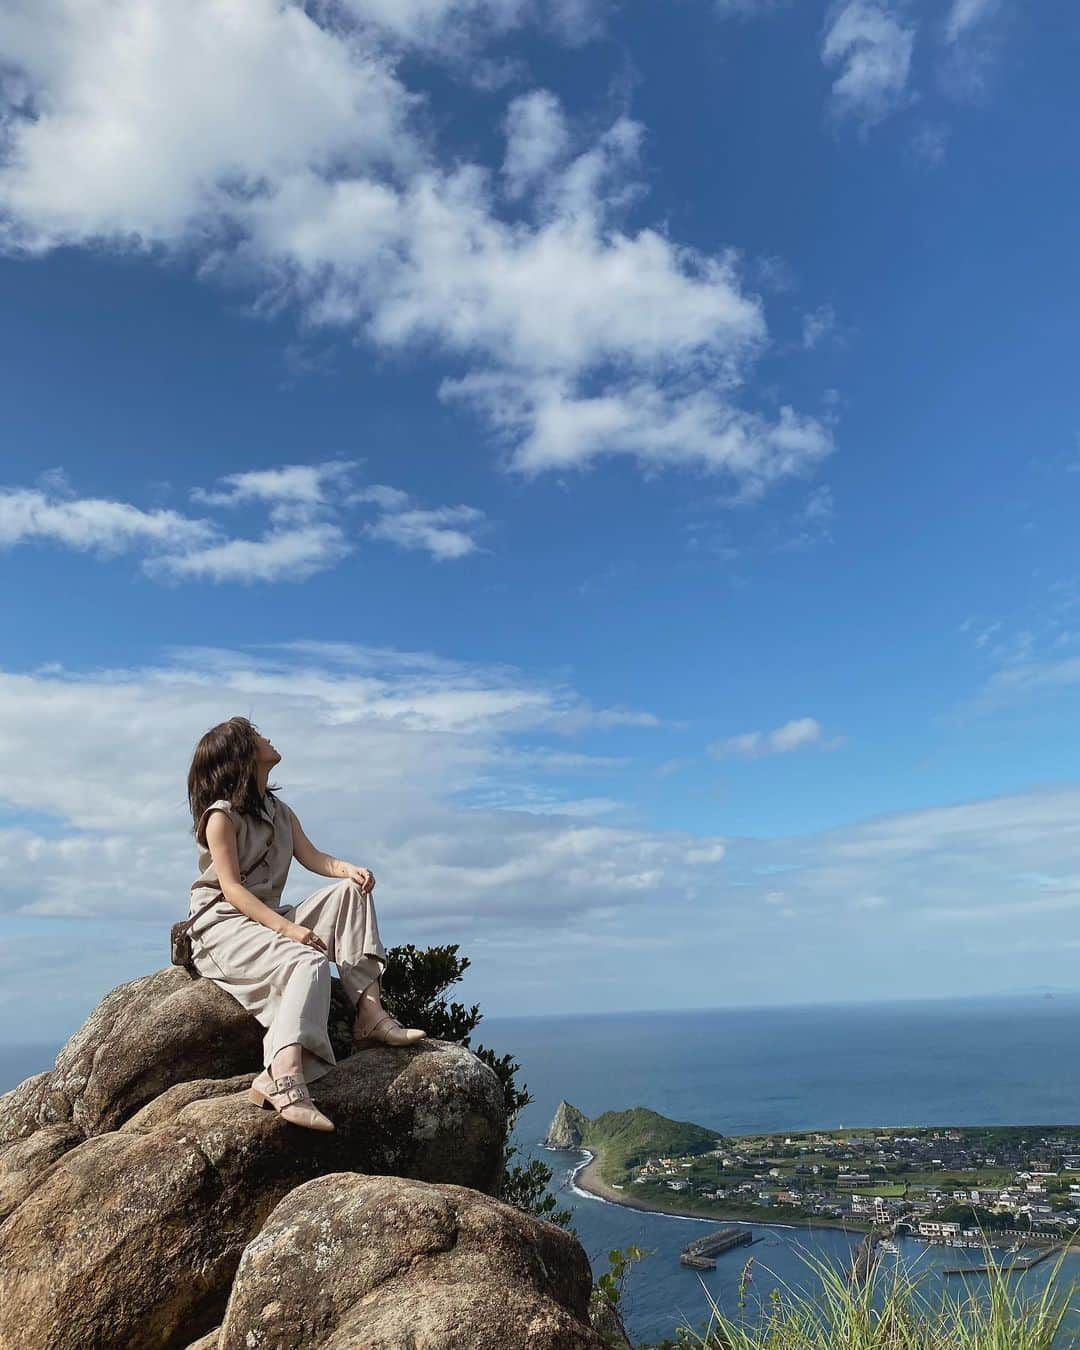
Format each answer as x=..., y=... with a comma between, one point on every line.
x=414, y=990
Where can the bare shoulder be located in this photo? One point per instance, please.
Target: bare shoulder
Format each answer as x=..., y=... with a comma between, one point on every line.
x=219, y=825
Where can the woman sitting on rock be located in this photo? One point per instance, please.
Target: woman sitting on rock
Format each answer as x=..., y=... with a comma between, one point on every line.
x=271, y=958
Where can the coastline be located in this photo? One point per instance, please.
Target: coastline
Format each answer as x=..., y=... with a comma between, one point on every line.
x=586, y=1177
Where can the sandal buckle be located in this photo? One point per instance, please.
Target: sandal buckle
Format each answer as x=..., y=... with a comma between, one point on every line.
x=292, y=1091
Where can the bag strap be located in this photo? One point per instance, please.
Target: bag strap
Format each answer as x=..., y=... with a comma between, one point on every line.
x=186, y=923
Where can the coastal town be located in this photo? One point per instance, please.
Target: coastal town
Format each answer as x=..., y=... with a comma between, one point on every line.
x=942, y=1185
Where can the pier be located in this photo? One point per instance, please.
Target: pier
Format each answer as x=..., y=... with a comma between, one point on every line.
x=702, y=1252
x=1021, y=1263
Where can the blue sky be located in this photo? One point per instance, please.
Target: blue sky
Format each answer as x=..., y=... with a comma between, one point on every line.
x=625, y=456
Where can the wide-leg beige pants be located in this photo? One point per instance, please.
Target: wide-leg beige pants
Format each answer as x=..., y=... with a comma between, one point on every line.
x=285, y=984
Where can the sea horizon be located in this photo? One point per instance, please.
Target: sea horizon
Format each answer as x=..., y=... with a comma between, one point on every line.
x=1039, y=992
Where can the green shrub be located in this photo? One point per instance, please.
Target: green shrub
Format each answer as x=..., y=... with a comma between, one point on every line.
x=414, y=990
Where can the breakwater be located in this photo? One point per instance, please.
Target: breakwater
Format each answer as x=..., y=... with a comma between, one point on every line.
x=703, y=1251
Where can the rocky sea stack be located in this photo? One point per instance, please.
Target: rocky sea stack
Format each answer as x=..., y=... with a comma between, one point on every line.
x=567, y=1128
x=145, y=1202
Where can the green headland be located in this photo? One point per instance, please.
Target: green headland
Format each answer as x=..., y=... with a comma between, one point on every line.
x=938, y=1182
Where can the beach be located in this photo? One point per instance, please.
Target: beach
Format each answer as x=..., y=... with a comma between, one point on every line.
x=586, y=1177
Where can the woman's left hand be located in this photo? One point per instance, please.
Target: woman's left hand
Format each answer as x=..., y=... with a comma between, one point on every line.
x=363, y=878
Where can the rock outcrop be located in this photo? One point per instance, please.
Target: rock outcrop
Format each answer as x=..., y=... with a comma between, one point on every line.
x=23, y=1162
x=141, y=1038
x=567, y=1128
x=382, y=1263
x=136, y=1177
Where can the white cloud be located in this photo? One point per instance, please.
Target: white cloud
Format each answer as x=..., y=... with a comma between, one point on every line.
x=381, y=755
x=144, y=120
x=280, y=555
x=1023, y=678
x=446, y=532
x=1026, y=656
x=389, y=498
x=380, y=748
x=553, y=428
x=427, y=23
x=706, y=853
x=93, y=524
x=817, y=324
x=396, y=760
x=873, y=46
x=537, y=139
x=670, y=766
x=797, y=734
x=280, y=147
x=973, y=38
x=438, y=532
x=305, y=506
x=452, y=30
x=965, y=15
x=297, y=487
x=940, y=862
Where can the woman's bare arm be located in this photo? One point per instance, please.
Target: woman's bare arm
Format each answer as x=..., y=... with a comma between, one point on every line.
x=221, y=841
x=325, y=864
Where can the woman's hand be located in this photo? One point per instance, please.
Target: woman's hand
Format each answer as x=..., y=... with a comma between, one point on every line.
x=307, y=936
x=363, y=878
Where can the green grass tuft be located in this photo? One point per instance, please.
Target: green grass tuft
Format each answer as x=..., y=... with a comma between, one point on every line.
x=892, y=1311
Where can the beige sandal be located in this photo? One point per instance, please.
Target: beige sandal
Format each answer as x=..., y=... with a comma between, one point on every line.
x=296, y=1099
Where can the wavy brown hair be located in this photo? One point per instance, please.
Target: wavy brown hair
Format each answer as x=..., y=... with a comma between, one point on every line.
x=224, y=765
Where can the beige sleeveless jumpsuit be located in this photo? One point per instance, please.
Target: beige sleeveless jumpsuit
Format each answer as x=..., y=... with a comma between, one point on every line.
x=283, y=983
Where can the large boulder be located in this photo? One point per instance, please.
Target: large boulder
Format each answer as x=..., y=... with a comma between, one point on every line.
x=350, y=1262
x=141, y=1038
x=23, y=1162
x=132, y=1237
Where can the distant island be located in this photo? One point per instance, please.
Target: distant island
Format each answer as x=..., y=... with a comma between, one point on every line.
x=947, y=1184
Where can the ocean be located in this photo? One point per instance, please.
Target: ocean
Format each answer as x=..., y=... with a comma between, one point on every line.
x=1001, y=1061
